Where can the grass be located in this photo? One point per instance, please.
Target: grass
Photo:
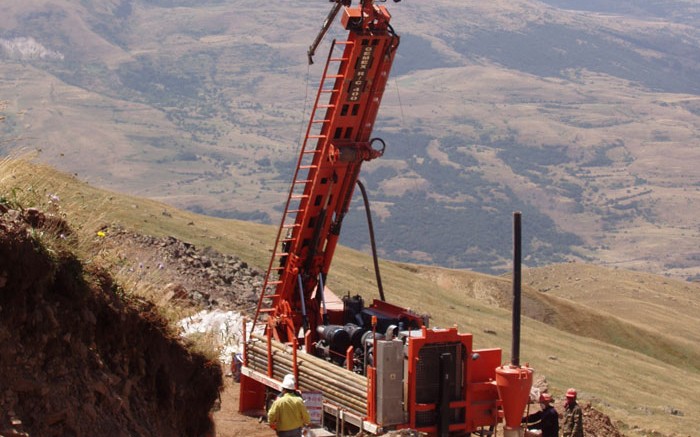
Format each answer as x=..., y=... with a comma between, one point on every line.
x=635, y=389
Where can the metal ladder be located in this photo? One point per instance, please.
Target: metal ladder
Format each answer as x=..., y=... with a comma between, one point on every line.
x=304, y=175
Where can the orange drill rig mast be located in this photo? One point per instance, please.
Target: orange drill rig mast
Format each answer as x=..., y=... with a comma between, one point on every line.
x=325, y=176
x=379, y=366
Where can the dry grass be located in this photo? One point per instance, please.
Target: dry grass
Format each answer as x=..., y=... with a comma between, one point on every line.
x=632, y=387
x=657, y=302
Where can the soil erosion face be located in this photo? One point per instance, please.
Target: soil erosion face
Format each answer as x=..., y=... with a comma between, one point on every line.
x=77, y=358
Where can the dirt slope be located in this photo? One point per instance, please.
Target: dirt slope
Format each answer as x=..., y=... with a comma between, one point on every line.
x=77, y=357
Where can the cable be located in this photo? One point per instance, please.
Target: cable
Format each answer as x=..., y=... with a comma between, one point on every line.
x=303, y=110
x=403, y=121
x=371, y=239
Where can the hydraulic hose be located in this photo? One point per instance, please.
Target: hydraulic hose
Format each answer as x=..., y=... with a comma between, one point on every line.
x=371, y=240
x=304, y=319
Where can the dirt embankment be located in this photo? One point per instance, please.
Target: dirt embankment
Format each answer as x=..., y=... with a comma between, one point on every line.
x=78, y=358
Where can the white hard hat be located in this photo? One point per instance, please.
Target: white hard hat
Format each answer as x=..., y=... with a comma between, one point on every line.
x=288, y=382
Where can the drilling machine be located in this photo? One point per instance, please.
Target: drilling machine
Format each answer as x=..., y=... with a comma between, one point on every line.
x=378, y=365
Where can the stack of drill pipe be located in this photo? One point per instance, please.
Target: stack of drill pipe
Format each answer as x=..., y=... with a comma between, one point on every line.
x=335, y=389
x=303, y=359
x=349, y=402
x=307, y=375
x=339, y=385
x=314, y=367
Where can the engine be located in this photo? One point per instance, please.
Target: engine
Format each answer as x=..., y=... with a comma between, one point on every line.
x=362, y=327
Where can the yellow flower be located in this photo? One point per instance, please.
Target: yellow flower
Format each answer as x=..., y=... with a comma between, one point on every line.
x=101, y=234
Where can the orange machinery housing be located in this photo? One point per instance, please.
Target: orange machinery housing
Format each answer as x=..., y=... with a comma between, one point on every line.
x=378, y=366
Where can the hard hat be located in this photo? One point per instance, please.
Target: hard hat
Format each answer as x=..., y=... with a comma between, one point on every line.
x=545, y=398
x=571, y=393
x=288, y=382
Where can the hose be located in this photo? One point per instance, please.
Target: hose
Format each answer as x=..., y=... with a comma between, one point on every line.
x=371, y=239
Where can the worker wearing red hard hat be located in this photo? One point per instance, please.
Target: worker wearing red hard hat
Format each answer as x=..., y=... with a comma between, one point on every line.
x=573, y=416
x=545, y=422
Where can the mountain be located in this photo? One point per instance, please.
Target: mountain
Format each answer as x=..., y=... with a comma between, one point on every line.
x=582, y=115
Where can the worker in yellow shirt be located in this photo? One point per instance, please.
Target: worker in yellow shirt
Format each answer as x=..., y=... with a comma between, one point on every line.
x=288, y=414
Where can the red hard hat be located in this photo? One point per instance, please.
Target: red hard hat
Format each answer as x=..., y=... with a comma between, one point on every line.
x=571, y=393
x=545, y=398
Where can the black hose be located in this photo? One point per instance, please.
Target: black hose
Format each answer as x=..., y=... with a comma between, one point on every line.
x=371, y=239
x=396, y=38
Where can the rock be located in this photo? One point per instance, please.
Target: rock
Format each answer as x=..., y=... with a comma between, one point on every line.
x=673, y=411
x=220, y=279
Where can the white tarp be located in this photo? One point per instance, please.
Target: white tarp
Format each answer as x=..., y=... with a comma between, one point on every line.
x=224, y=327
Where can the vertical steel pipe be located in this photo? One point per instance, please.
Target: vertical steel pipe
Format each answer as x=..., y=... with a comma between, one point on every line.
x=517, y=255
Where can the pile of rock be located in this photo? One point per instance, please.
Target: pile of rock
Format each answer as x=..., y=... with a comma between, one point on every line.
x=204, y=277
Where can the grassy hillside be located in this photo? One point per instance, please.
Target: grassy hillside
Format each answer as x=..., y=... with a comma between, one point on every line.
x=583, y=115
x=643, y=392
x=668, y=334
x=641, y=299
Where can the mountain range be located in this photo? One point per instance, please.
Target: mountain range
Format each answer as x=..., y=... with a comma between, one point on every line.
x=583, y=115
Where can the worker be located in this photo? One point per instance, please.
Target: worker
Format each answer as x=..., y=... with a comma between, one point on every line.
x=545, y=422
x=573, y=416
x=288, y=414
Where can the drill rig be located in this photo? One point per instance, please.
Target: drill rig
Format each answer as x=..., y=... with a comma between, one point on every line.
x=379, y=366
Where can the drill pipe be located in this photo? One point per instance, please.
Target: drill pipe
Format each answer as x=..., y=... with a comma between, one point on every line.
x=337, y=371
x=261, y=365
x=345, y=400
x=301, y=357
x=308, y=375
x=309, y=368
x=324, y=385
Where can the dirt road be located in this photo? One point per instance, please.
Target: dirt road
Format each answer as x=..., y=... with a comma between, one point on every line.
x=229, y=423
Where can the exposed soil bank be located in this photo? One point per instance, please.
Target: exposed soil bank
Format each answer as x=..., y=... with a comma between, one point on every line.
x=77, y=357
